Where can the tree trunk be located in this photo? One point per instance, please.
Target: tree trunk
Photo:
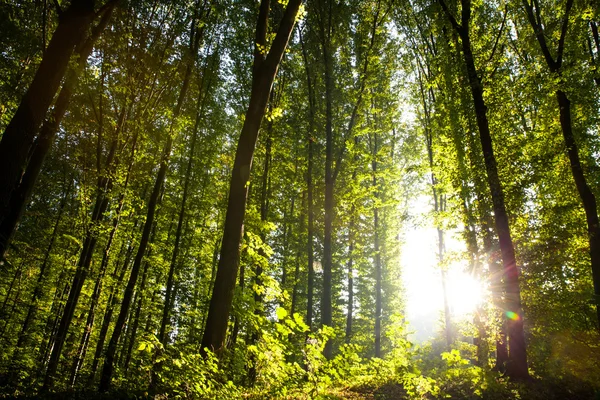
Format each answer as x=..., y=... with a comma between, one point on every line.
x=587, y=196
x=169, y=295
x=105, y=182
x=517, y=357
x=85, y=338
x=112, y=301
x=310, y=189
x=107, y=370
x=264, y=71
x=20, y=132
x=349, y=315
x=378, y=273
x=295, y=287
x=38, y=289
x=22, y=190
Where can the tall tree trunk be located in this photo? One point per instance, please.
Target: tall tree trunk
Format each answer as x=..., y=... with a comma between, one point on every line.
x=108, y=368
x=350, y=311
x=85, y=338
x=517, y=365
x=105, y=182
x=263, y=74
x=326, y=310
x=587, y=196
x=38, y=289
x=296, y=284
x=588, y=199
x=20, y=133
x=169, y=295
x=22, y=190
x=310, y=190
x=112, y=301
x=378, y=272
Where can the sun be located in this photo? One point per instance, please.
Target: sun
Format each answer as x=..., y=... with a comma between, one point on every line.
x=465, y=292
x=423, y=287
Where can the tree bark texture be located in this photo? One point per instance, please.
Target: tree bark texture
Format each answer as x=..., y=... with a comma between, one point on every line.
x=264, y=71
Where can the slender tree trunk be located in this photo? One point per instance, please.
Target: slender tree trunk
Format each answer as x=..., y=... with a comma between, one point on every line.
x=112, y=301
x=326, y=307
x=350, y=312
x=141, y=296
x=588, y=199
x=169, y=295
x=517, y=365
x=264, y=71
x=378, y=272
x=105, y=182
x=85, y=338
x=4, y=315
x=295, y=288
x=108, y=368
x=310, y=190
x=20, y=133
x=38, y=290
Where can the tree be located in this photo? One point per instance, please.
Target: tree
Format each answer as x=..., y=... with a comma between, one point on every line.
x=263, y=73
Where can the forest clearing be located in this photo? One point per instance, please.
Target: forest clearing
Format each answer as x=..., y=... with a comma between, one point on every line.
x=299, y=199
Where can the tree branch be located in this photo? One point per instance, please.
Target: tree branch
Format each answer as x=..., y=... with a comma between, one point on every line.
x=465, y=13
x=563, y=34
x=283, y=34
x=453, y=21
x=539, y=34
x=262, y=26
x=499, y=34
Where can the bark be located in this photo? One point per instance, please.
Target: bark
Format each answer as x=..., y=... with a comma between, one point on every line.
x=350, y=315
x=517, y=357
x=326, y=311
x=310, y=190
x=112, y=301
x=22, y=191
x=264, y=71
x=588, y=199
x=378, y=273
x=140, y=294
x=332, y=172
x=20, y=133
x=296, y=285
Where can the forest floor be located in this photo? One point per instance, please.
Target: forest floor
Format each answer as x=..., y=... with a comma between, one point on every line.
x=385, y=392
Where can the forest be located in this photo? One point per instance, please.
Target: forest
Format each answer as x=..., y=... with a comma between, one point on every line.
x=299, y=199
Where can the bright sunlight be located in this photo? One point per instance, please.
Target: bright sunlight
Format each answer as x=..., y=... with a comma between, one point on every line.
x=424, y=293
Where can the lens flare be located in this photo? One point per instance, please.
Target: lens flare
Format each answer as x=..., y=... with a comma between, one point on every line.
x=512, y=315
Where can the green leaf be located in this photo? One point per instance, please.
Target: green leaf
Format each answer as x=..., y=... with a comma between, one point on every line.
x=281, y=313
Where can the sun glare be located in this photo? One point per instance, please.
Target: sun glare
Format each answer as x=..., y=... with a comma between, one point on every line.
x=465, y=293
x=423, y=280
